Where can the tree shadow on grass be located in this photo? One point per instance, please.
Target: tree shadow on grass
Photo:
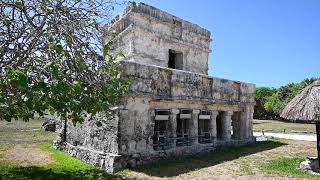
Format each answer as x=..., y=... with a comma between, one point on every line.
x=34, y=172
x=162, y=168
x=171, y=168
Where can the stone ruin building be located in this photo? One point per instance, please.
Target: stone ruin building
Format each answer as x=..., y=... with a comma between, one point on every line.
x=173, y=107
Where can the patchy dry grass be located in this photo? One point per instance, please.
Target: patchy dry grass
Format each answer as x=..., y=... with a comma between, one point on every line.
x=28, y=154
x=20, y=125
x=224, y=159
x=60, y=166
x=287, y=166
x=16, y=132
x=276, y=159
x=23, y=137
x=247, y=162
x=258, y=125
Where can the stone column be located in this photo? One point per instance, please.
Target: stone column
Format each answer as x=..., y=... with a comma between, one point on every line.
x=173, y=125
x=226, y=125
x=246, y=122
x=152, y=114
x=194, y=126
x=213, y=125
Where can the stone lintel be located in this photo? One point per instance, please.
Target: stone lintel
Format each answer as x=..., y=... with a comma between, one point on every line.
x=195, y=111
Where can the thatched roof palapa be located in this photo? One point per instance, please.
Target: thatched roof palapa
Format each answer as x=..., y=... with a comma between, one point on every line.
x=305, y=106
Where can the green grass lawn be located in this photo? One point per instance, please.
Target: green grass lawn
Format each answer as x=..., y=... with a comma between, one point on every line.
x=259, y=125
x=287, y=166
x=61, y=166
x=263, y=160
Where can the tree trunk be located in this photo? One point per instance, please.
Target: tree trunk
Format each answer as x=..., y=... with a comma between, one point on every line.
x=64, y=139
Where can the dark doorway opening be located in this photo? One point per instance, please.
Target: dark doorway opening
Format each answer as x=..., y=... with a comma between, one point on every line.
x=182, y=132
x=160, y=136
x=219, y=126
x=203, y=127
x=175, y=59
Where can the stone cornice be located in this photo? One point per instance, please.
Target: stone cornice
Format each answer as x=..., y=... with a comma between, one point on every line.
x=159, y=15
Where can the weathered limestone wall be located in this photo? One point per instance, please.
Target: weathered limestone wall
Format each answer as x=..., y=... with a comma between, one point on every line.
x=137, y=121
x=146, y=34
x=176, y=84
x=88, y=134
x=155, y=88
x=127, y=139
x=93, y=144
x=135, y=127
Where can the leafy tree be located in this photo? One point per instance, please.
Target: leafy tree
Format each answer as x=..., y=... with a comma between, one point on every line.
x=273, y=104
x=286, y=93
x=270, y=102
x=262, y=93
x=52, y=57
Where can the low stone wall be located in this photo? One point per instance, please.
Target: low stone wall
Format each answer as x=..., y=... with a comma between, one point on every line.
x=102, y=138
x=103, y=160
x=149, y=157
x=114, y=162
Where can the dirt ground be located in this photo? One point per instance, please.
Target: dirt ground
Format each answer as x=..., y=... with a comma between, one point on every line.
x=28, y=155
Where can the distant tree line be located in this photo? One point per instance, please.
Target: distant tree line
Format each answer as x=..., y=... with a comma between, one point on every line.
x=271, y=101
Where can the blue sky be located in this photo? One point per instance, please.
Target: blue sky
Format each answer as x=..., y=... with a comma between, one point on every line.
x=266, y=42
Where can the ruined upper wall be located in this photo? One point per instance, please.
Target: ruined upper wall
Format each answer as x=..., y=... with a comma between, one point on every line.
x=169, y=84
x=145, y=35
x=119, y=24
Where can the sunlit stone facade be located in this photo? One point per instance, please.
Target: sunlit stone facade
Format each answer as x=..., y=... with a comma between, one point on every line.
x=173, y=108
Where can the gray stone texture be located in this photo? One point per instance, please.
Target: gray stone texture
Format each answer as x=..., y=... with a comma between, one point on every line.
x=147, y=33
x=127, y=139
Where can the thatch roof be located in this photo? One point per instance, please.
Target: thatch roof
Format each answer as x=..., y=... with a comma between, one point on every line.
x=305, y=106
